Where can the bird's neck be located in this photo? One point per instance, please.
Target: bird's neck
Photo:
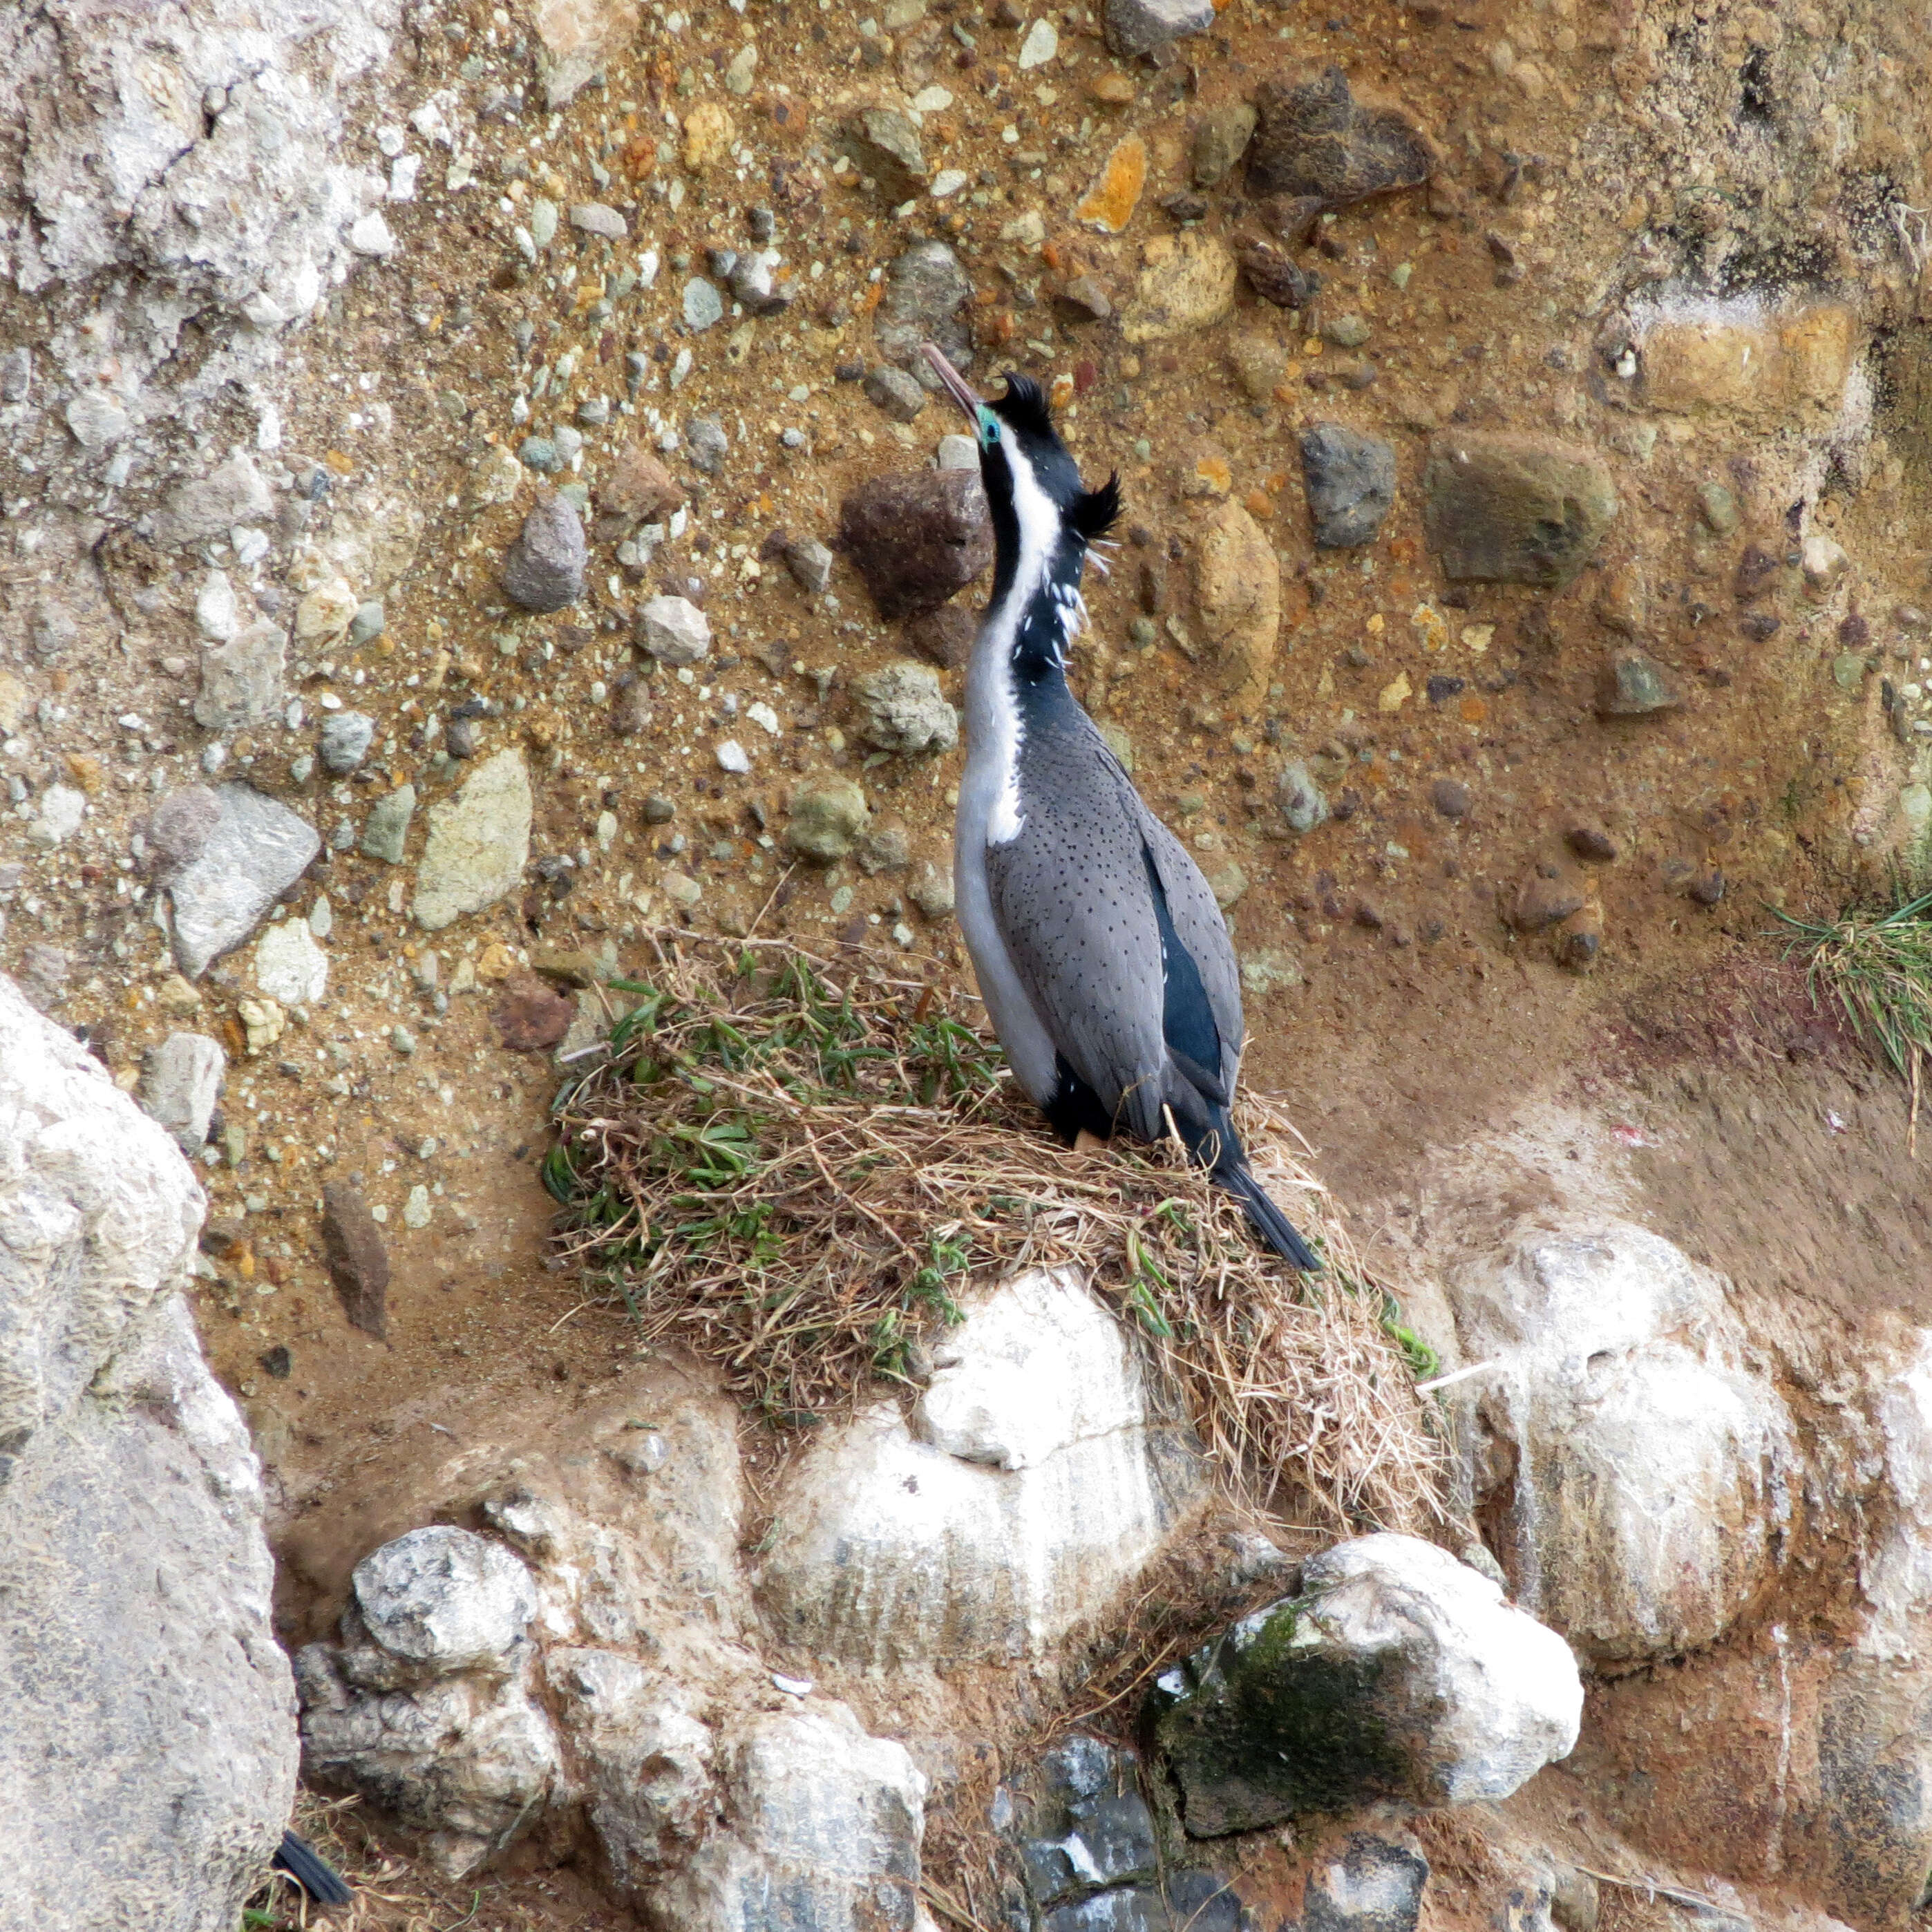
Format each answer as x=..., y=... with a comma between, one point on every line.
x=1036, y=612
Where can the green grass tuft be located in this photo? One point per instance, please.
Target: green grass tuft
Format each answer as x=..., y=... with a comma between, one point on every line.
x=1876, y=966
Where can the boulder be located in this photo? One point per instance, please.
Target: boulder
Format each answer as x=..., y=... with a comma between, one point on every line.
x=147, y=1756
x=1396, y=1674
x=824, y=1836
x=1639, y=1473
x=1030, y=1484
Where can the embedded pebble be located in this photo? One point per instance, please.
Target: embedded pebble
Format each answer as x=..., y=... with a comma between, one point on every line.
x=543, y=569
x=704, y=306
x=345, y=740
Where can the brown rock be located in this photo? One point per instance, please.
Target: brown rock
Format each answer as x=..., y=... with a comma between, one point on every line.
x=531, y=1017
x=1450, y=798
x=1587, y=838
x=1544, y=900
x=358, y=1264
x=1515, y=509
x=631, y=708
x=916, y=536
x=1316, y=139
x=944, y=637
x=1276, y=277
x=1579, y=938
x=639, y=490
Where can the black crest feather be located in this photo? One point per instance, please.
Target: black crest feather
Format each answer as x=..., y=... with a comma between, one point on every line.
x=1094, y=512
x=1024, y=406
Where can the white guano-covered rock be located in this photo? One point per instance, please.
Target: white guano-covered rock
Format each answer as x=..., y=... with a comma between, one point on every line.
x=824, y=1831
x=1396, y=1673
x=445, y=1598
x=1639, y=1467
x=147, y=1751
x=1030, y=1485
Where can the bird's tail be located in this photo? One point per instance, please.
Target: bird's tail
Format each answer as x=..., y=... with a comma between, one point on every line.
x=1222, y=1145
x=300, y=1861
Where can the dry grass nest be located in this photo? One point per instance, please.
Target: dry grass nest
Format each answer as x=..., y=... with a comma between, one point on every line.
x=795, y=1168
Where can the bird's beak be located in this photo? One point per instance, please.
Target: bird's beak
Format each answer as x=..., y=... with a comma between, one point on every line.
x=957, y=387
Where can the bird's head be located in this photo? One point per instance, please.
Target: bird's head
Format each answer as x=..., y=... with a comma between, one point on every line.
x=1040, y=508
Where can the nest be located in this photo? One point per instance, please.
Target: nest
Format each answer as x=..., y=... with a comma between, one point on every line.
x=794, y=1168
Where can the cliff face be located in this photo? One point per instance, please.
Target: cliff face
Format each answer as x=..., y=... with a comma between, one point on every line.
x=458, y=467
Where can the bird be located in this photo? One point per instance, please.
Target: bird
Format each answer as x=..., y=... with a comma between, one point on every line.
x=1101, y=957
x=298, y=1861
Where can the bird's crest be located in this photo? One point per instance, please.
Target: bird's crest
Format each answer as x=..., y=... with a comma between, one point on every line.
x=1093, y=512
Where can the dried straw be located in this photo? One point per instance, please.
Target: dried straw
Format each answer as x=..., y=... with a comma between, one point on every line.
x=793, y=1167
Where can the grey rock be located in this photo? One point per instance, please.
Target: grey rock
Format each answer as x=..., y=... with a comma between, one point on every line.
x=1304, y=804
x=251, y=854
x=236, y=492
x=544, y=568
x=133, y=1564
x=1515, y=509
x=1144, y=26
x=1110, y=1841
x=755, y=286
x=369, y=622
x=916, y=536
x=1375, y=1885
x=933, y=894
x=344, y=741
x=445, y=1598
x=673, y=630
x=1316, y=140
x=16, y=375
x=926, y=291
x=1350, y=479
x=44, y=971
x=98, y=420
x=705, y=443
x=704, y=306
x=51, y=630
x=905, y=710
x=1083, y=299
x=180, y=1081
x=242, y=679
x=1221, y=137
x=894, y=393
x=1397, y=1674
x=1198, y=1901
x=540, y=453
x=479, y=845
x=595, y=217
x=180, y=825
x=884, y=144
x=810, y=562
x=388, y=825
x=1140, y=1909
x=827, y=817
x=462, y=739
x=1633, y=685
x=957, y=452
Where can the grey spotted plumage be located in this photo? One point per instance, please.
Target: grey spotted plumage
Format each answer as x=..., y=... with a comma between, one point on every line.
x=1101, y=954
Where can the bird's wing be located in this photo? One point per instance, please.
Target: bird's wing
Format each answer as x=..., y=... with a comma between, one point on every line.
x=1073, y=904
x=1201, y=930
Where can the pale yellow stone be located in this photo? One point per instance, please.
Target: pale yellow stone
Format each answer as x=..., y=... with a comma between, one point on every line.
x=1237, y=594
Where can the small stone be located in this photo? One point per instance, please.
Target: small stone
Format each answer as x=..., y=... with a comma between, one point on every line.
x=638, y=489
x=227, y=856
x=402, y=1040
x=98, y=420
x=1632, y=686
x=827, y=816
x=657, y=810
x=543, y=213
x=1228, y=883
x=885, y=145
x=1260, y=364
x=345, y=740
x=957, y=452
x=810, y=562
x=1580, y=940
x=1191, y=288
x=62, y=809
x=705, y=443
x=1304, y=804
x=732, y=757
x=1450, y=798
x=708, y=134
x=1350, y=479
x=704, y=306
x=531, y=1017
x=242, y=678
x=1587, y=838
x=682, y=888
x=1111, y=90
x=372, y=235
x=1085, y=300
x=1237, y=601
x=916, y=537
x=479, y=842
x=1543, y=902
x=1109, y=204
x=1515, y=509
x=357, y=1262
x=932, y=893
x=1221, y=137
x=543, y=569
x=416, y=1208
x=894, y=393
x=1041, y=45
x=368, y=623
x=540, y=453
x=594, y=217
x=673, y=630
x=461, y=739
x=1718, y=508
x=1276, y=276
x=236, y=492
x=927, y=292
x=1146, y=26
x=180, y=1081
x=1344, y=332
x=905, y=711
x=1848, y=672
x=290, y=968
x=1707, y=888
x=944, y=637
x=1315, y=139
x=215, y=607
